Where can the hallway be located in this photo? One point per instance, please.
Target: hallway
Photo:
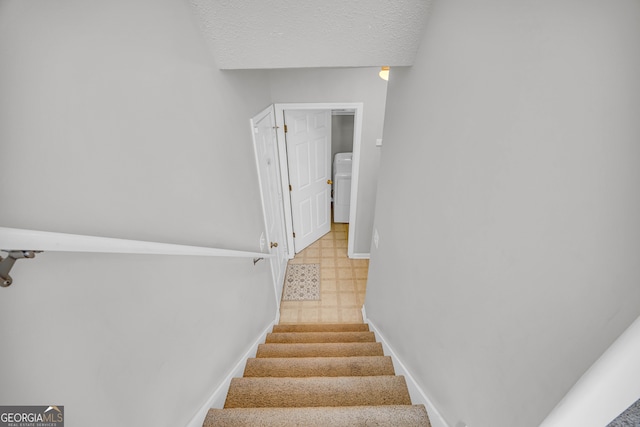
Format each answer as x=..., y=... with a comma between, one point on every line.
x=343, y=282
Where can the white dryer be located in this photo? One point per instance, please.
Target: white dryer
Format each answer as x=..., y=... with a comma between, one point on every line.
x=342, y=186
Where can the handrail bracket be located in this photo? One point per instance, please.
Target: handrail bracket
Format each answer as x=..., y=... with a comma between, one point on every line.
x=7, y=263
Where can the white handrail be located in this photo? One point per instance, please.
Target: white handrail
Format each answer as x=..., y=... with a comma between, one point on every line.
x=20, y=239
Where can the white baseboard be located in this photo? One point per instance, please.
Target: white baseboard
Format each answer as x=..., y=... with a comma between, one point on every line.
x=360, y=256
x=217, y=398
x=418, y=396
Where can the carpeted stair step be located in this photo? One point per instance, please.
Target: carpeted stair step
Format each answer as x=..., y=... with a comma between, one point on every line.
x=319, y=366
x=322, y=327
x=317, y=391
x=320, y=349
x=349, y=416
x=311, y=337
x=319, y=374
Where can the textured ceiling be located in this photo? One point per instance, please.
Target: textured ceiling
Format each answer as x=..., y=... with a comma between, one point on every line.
x=245, y=34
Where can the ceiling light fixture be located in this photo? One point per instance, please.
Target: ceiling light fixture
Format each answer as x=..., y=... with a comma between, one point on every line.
x=384, y=73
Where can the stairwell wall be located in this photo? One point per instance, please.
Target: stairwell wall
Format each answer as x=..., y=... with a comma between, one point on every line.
x=114, y=121
x=508, y=202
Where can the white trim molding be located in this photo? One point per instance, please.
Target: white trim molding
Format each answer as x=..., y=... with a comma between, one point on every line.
x=20, y=239
x=219, y=394
x=418, y=396
x=607, y=389
x=358, y=255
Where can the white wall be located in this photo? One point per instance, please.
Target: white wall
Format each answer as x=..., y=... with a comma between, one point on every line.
x=134, y=340
x=344, y=85
x=508, y=203
x=117, y=123
x=114, y=121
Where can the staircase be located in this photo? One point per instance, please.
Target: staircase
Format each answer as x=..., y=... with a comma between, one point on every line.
x=319, y=375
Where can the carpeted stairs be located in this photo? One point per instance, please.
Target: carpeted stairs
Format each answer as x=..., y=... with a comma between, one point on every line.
x=319, y=375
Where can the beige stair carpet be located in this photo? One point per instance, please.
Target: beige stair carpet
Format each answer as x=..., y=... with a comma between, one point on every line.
x=311, y=337
x=319, y=366
x=349, y=416
x=323, y=327
x=317, y=391
x=319, y=375
x=346, y=349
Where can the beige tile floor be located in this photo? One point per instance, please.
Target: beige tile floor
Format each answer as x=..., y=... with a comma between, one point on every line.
x=343, y=282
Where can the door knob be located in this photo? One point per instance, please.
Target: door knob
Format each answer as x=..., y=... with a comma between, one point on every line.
x=329, y=182
x=273, y=245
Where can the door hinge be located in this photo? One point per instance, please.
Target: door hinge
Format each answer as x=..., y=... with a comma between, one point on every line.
x=290, y=187
x=294, y=234
x=285, y=129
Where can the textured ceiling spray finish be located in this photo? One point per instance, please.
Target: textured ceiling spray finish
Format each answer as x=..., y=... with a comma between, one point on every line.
x=248, y=34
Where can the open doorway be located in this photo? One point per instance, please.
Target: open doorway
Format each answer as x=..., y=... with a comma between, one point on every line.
x=354, y=109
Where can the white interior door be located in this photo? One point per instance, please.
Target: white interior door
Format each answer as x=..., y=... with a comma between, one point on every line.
x=266, y=149
x=308, y=137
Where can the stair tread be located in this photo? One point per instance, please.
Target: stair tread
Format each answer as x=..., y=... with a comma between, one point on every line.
x=319, y=374
x=390, y=415
x=320, y=349
x=317, y=391
x=319, y=366
x=312, y=337
x=321, y=327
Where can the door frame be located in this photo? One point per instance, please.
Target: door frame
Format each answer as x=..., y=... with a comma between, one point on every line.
x=284, y=168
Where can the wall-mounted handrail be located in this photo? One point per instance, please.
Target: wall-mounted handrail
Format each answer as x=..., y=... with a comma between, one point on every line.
x=63, y=242
x=16, y=240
